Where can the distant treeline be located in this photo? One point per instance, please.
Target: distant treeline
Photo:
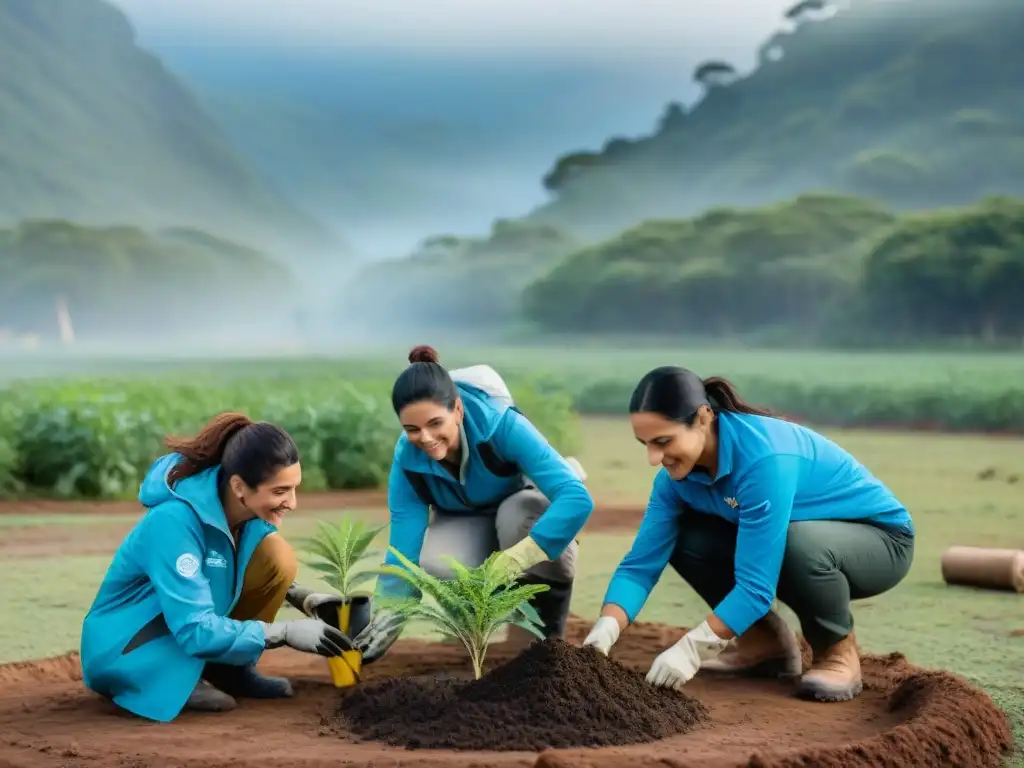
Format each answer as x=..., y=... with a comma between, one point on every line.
x=819, y=269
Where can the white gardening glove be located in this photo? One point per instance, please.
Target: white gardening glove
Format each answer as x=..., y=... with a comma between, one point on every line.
x=603, y=634
x=676, y=666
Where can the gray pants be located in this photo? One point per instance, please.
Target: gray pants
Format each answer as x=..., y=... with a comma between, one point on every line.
x=471, y=539
x=827, y=564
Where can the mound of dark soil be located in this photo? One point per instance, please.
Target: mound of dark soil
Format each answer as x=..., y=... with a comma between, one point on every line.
x=551, y=695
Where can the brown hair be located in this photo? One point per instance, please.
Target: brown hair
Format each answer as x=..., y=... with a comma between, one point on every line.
x=424, y=354
x=252, y=450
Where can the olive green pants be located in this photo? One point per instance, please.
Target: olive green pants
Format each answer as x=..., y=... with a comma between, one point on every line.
x=827, y=564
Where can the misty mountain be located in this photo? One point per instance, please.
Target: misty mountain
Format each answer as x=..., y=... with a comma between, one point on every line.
x=392, y=147
x=95, y=129
x=916, y=103
x=128, y=283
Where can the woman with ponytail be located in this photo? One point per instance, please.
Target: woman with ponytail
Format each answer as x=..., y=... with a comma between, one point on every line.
x=494, y=482
x=189, y=602
x=748, y=508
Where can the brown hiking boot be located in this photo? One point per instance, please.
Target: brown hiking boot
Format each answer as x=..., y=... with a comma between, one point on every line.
x=835, y=674
x=768, y=649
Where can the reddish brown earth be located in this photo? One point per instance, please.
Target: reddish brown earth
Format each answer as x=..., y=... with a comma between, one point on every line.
x=103, y=537
x=905, y=717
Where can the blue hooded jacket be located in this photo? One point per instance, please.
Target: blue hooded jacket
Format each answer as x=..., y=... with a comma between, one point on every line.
x=770, y=473
x=499, y=447
x=161, y=610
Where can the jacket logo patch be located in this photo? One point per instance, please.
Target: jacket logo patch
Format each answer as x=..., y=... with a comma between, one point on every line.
x=731, y=501
x=216, y=560
x=187, y=565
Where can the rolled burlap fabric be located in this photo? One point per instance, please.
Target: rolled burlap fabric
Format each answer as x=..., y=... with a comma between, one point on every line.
x=984, y=567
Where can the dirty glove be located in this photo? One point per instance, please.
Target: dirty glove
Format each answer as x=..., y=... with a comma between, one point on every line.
x=317, y=605
x=308, y=636
x=519, y=557
x=379, y=635
x=675, y=667
x=603, y=635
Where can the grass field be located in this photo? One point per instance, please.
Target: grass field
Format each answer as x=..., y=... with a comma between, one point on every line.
x=959, y=489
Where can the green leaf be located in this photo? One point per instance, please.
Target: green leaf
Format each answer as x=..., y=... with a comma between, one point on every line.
x=340, y=548
x=471, y=606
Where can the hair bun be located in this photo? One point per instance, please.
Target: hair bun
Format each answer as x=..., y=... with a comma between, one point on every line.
x=423, y=354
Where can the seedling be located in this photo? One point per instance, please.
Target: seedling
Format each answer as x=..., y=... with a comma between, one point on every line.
x=338, y=549
x=470, y=607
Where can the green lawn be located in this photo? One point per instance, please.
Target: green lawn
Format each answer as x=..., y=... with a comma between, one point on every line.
x=958, y=488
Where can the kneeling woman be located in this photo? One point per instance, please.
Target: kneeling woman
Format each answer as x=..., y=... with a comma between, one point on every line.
x=748, y=507
x=193, y=590
x=494, y=481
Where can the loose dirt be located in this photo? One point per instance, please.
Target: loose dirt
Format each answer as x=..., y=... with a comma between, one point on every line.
x=905, y=717
x=552, y=695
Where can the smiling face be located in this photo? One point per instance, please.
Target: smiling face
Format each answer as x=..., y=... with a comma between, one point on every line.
x=274, y=497
x=432, y=428
x=675, y=446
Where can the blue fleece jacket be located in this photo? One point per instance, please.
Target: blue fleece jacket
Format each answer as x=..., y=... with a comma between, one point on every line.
x=161, y=611
x=770, y=473
x=500, y=445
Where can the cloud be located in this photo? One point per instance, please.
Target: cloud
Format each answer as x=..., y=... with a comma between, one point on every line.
x=570, y=28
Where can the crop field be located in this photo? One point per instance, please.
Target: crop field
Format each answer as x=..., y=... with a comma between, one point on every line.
x=58, y=530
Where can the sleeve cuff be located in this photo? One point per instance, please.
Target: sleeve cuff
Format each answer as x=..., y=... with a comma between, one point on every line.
x=628, y=595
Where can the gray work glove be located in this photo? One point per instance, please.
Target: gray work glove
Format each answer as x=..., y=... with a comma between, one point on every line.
x=308, y=636
x=316, y=605
x=379, y=635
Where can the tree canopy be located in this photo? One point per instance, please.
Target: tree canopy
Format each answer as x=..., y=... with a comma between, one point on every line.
x=821, y=267
x=919, y=108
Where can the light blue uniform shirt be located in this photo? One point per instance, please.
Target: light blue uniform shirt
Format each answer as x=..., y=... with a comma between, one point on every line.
x=500, y=447
x=770, y=473
x=162, y=610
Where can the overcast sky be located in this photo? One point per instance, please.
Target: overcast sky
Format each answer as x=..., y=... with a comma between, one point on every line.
x=583, y=29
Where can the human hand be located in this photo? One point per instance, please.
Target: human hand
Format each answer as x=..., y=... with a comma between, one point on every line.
x=519, y=557
x=603, y=634
x=308, y=636
x=316, y=605
x=676, y=666
x=379, y=635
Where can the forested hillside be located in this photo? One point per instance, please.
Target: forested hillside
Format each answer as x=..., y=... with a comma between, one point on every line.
x=95, y=129
x=125, y=282
x=915, y=102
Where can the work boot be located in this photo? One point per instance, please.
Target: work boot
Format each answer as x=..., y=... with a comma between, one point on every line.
x=835, y=674
x=206, y=698
x=246, y=683
x=769, y=648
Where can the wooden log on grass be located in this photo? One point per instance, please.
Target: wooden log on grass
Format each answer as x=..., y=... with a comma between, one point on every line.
x=984, y=567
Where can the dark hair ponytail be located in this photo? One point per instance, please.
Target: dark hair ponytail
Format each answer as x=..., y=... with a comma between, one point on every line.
x=424, y=379
x=252, y=450
x=723, y=396
x=677, y=394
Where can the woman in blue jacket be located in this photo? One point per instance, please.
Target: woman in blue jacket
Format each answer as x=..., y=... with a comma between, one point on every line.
x=189, y=602
x=494, y=482
x=747, y=508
